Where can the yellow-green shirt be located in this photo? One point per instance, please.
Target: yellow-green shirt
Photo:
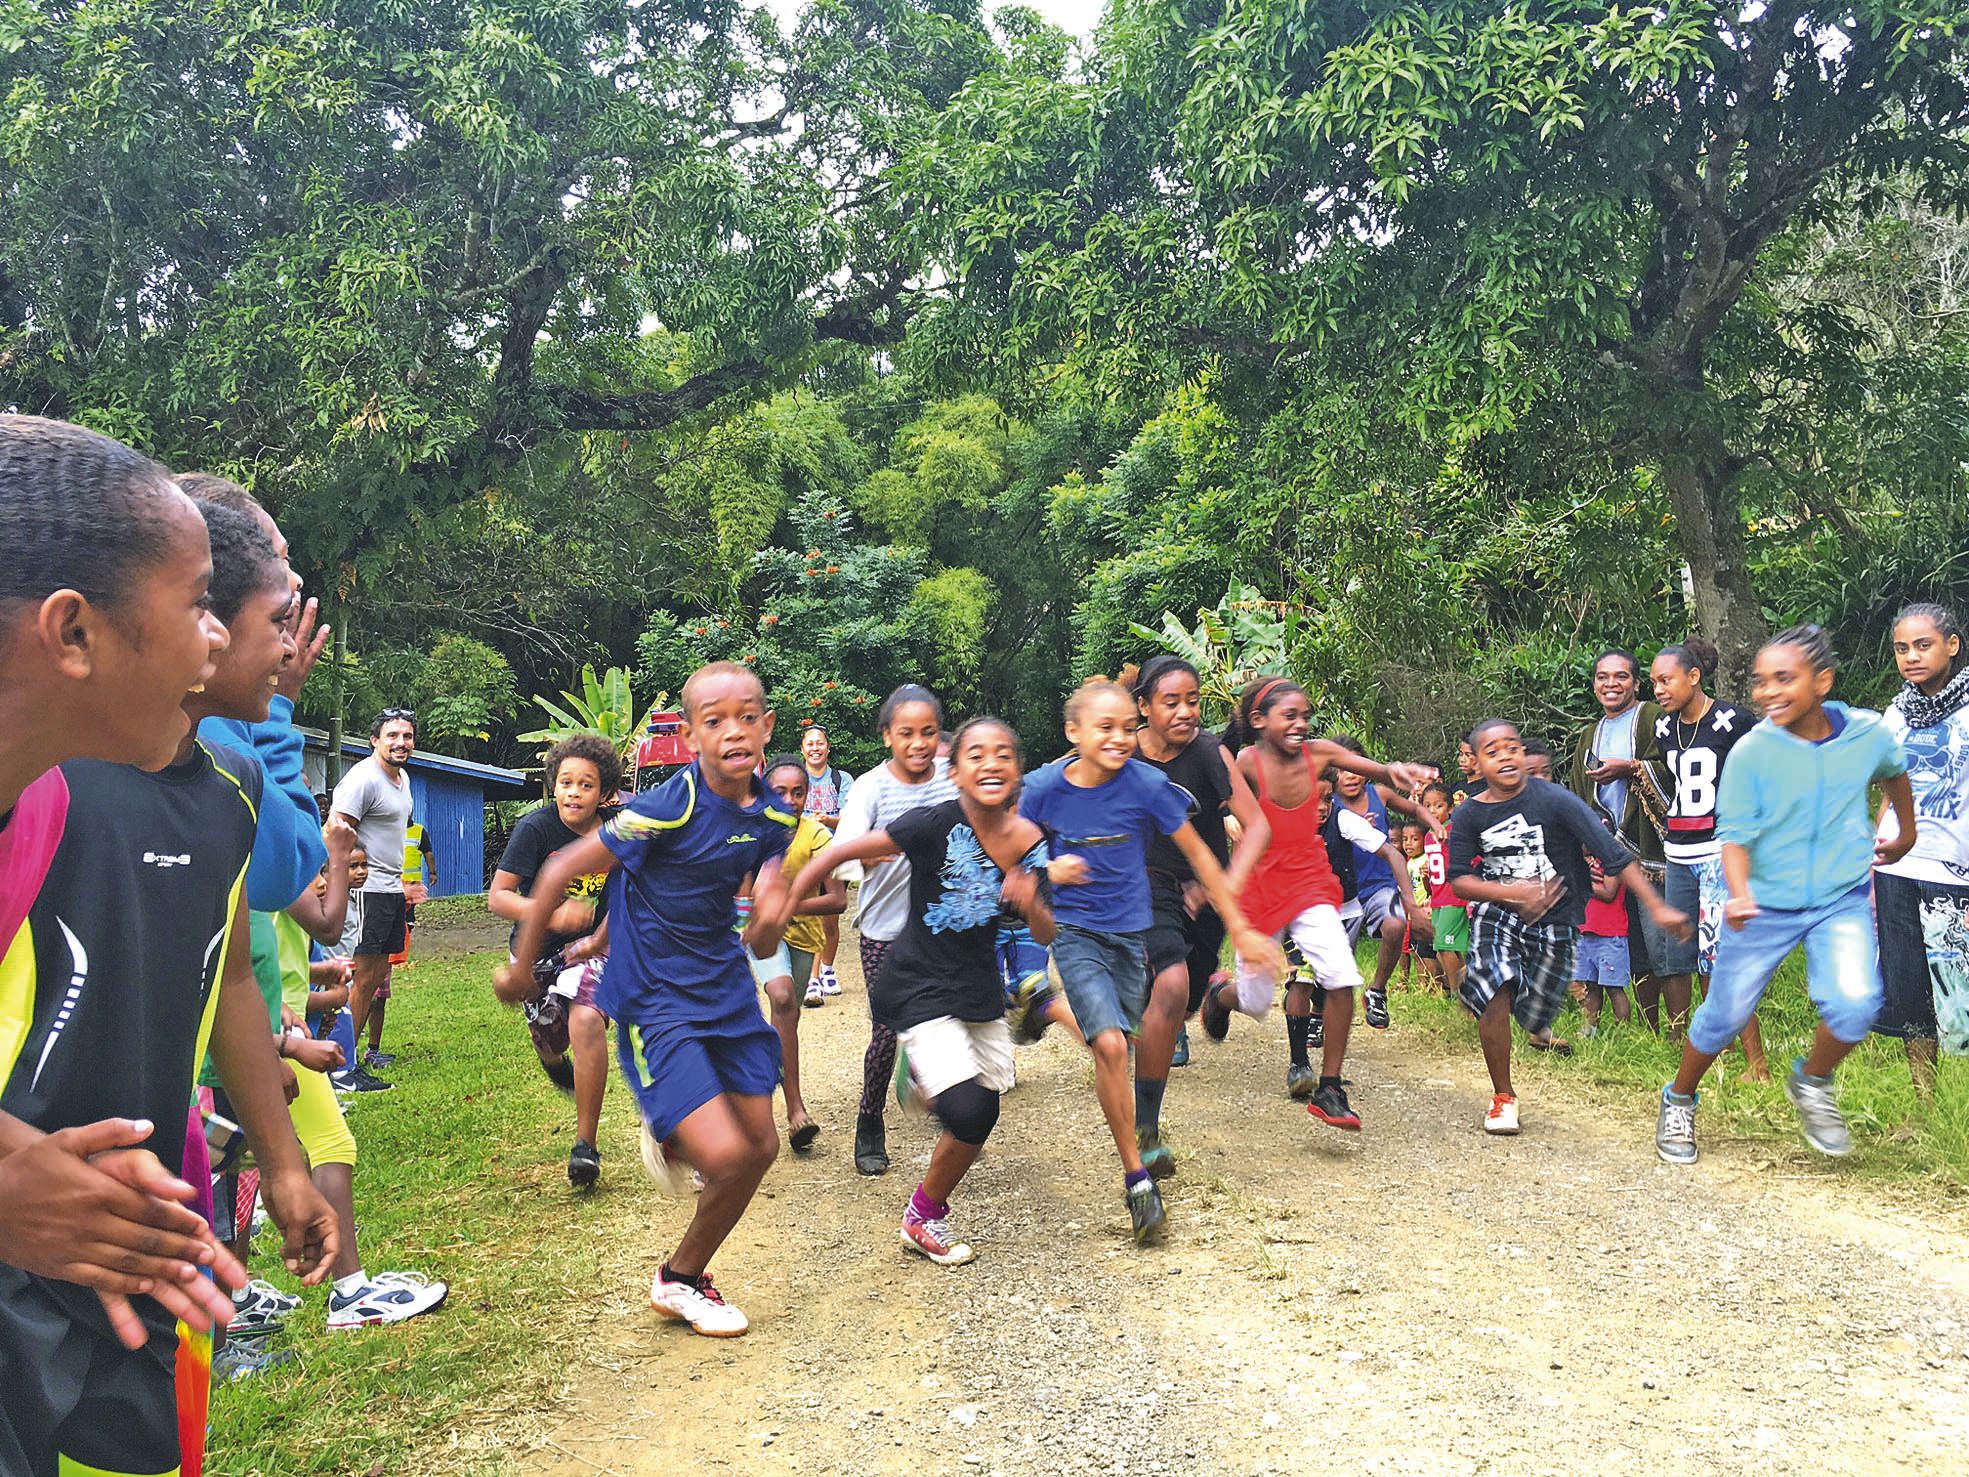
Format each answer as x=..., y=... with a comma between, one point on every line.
x=806, y=932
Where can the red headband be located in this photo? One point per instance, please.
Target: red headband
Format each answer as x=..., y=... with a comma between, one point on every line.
x=1259, y=696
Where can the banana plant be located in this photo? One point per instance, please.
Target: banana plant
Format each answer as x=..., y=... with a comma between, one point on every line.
x=605, y=705
x=1243, y=637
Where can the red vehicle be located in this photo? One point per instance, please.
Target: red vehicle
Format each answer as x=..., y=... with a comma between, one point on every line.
x=662, y=751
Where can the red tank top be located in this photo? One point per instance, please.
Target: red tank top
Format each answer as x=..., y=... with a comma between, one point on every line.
x=1294, y=874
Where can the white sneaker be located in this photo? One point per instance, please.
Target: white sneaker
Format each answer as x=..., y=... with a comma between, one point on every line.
x=815, y=995
x=669, y=1177
x=830, y=983
x=701, y=1307
x=1503, y=1115
x=390, y=1297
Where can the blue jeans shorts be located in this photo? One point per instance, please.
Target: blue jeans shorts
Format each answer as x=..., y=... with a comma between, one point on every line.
x=1106, y=976
x=1842, y=970
x=1695, y=888
x=1602, y=960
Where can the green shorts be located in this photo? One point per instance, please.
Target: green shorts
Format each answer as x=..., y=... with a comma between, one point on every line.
x=1452, y=930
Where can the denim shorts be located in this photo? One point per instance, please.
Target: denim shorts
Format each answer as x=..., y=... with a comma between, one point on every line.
x=1924, y=959
x=1602, y=961
x=1106, y=976
x=1842, y=970
x=1696, y=888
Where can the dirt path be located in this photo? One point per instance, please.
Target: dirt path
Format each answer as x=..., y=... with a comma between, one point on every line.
x=1417, y=1299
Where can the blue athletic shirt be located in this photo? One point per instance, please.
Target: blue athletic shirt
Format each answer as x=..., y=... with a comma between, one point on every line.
x=684, y=851
x=1108, y=826
x=1371, y=869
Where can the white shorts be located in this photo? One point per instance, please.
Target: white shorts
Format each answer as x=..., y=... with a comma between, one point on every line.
x=1322, y=939
x=947, y=1051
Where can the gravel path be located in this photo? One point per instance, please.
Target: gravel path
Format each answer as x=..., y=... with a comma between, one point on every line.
x=1414, y=1299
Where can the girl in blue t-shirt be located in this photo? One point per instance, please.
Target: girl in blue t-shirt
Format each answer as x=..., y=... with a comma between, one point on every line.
x=1100, y=805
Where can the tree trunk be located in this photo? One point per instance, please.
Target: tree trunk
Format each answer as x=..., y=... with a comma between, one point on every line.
x=1702, y=496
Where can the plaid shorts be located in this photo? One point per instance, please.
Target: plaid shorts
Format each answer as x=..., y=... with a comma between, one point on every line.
x=1534, y=961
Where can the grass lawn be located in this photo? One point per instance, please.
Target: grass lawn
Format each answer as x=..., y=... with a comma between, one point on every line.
x=1892, y=1138
x=460, y=1176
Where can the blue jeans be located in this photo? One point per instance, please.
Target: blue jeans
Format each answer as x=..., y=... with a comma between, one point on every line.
x=1842, y=970
x=1106, y=975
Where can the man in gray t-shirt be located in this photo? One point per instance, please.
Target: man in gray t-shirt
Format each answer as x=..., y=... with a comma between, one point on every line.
x=374, y=797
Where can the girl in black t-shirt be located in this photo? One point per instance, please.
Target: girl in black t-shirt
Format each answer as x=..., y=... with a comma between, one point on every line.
x=972, y=861
x=570, y=1033
x=1186, y=938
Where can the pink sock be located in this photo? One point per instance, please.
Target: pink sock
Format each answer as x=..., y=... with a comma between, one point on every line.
x=923, y=1208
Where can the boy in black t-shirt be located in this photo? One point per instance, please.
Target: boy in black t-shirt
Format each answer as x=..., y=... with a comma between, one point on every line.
x=570, y=1032
x=1518, y=856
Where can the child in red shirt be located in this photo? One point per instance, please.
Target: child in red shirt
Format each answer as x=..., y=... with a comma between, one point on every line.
x=1602, y=966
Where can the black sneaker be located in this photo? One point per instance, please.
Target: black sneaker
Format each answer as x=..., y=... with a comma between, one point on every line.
x=1377, y=1008
x=1145, y=1212
x=355, y=1079
x=1215, y=1015
x=560, y=1073
x=1300, y=1080
x=1329, y=1105
x=871, y=1144
x=584, y=1165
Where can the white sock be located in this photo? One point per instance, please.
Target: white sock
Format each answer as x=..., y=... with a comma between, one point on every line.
x=352, y=1284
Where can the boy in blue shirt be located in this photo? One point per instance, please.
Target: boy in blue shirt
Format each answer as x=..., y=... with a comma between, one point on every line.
x=699, y=1057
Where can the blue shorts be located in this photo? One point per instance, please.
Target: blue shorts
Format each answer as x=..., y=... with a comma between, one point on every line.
x=1107, y=978
x=1602, y=961
x=1020, y=958
x=676, y=1067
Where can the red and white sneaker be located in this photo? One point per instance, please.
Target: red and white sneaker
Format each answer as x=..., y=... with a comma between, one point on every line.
x=701, y=1307
x=933, y=1240
x=1503, y=1115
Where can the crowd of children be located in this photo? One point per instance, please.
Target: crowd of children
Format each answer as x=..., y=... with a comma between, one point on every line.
x=1167, y=873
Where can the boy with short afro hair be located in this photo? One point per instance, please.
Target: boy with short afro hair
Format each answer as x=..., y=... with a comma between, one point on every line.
x=700, y=1059
x=1518, y=856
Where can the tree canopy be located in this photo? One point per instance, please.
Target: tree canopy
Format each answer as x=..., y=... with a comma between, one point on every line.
x=579, y=331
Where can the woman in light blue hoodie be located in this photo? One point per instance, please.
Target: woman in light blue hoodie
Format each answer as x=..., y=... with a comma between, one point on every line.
x=1798, y=847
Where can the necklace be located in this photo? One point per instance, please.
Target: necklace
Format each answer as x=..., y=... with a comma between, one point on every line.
x=1695, y=727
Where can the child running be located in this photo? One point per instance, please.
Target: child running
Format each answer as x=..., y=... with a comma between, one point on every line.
x=1922, y=900
x=569, y=1030
x=1518, y=856
x=971, y=860
x=1186, y=937
x=1798, y=848
x=1100, y=805
x=787, y=973
x=1295, y=889
x=700, y=1059
x=910, y=723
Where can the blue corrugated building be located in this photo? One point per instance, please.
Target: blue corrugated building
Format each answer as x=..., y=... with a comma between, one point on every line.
x=448, y=797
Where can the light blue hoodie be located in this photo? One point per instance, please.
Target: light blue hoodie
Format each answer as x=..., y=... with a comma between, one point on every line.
x=287, y=849
x=1800, y=809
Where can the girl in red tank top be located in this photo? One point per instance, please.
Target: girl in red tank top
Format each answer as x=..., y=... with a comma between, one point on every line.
x=1293, y=889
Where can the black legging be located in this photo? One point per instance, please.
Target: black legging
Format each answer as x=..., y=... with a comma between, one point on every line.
x=878, y=1063
x=968, y=1111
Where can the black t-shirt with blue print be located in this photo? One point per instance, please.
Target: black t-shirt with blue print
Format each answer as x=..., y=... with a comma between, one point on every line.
x=945, y=963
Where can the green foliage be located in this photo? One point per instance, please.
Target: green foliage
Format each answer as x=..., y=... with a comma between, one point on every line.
x=605, y=705
x=953, y=608
x=463, y=690
x=1245, y=636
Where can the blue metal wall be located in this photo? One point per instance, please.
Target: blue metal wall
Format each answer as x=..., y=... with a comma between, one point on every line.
x=452, y=809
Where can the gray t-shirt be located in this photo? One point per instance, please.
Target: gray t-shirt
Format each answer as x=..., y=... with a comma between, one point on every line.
x=1614, y=738
x=380, y=812
x=876, y=799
